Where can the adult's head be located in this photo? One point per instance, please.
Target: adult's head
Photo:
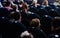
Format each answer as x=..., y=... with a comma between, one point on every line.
x=56, y=22
x=6, y=3
x=15, y=15
x=35, y=1
x=55, y=25
x=35, y=22
x=45, y=2
x=4, y=12
x=26, y=35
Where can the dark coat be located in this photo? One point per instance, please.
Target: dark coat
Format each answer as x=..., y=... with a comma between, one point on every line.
x=11, y=30
x=37, y=32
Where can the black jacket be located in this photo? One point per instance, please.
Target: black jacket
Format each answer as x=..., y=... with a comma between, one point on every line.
x=37, y=32
x=11, y=30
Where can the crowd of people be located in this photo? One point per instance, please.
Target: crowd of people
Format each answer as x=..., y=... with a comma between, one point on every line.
x=23, y=20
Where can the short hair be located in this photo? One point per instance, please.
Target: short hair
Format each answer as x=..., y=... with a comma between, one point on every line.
x=15, y=15
x=56, y=21
x=35, y=22
x=15, y=7
x=5, y=3
x=34, y=1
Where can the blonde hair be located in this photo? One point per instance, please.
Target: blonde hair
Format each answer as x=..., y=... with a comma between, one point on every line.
x=34, y=2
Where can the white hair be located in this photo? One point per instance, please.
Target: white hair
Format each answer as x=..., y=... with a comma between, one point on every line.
x=25, y=33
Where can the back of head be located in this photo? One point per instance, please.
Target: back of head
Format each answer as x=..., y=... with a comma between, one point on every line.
x=46, y=20
x=25, y=34
x=57, y=0
x=34, y=2
x=24, y=6
x=56, y=22
x=15, y=15
x=45, y=2
x=35, y=22
x=5, y=3
x=4, y=12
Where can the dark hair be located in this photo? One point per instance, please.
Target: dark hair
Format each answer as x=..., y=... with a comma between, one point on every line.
x=15, y=15
x=4, y=12
x=56, y=22
x=25, y=6
x=14, y=7
x=5, y=3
